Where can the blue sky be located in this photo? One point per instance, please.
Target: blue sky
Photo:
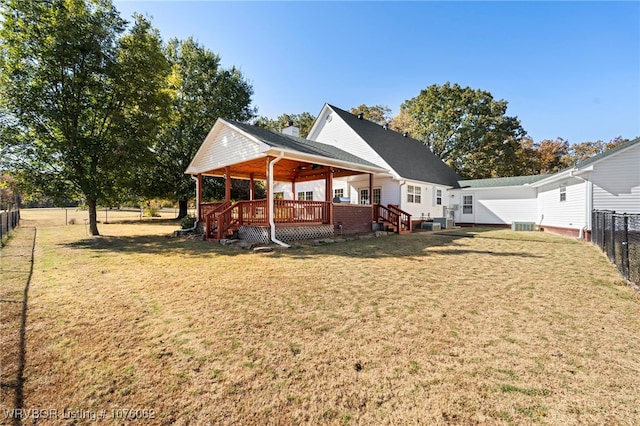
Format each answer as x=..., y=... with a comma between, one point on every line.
x=567, y=69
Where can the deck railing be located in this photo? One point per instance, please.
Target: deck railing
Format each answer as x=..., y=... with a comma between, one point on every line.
x=298, y=211
x=206, y=208
x=225, y=216
x=400, y=219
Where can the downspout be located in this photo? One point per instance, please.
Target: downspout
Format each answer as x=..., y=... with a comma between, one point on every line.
x=587, y=213
x=402, y=183
x=272, y=224
x=195, y=224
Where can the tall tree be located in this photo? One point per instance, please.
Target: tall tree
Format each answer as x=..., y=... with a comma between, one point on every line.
x=81, y=97
x=467, y=129
x=378, y=114
x=553, y=155
x=202, y=92
x=528, y=160
x=303, y=122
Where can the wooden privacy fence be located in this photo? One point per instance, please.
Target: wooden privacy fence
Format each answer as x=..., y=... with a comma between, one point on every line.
x=9, y=220
x=618, y=235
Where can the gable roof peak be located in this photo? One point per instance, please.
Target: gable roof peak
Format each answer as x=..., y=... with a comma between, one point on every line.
x=408, y=157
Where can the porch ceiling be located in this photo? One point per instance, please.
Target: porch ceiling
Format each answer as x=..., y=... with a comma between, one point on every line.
x=285, y=170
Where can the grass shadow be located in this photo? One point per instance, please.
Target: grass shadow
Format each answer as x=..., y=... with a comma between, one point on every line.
x=392, y=246
x=18, y=384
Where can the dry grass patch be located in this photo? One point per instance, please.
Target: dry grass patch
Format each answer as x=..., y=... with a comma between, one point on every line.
x=478, y=326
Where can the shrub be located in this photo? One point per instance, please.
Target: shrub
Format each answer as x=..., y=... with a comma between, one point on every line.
x=188, y=222
x=152, y=211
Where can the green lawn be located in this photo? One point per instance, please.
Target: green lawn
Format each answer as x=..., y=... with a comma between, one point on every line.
x=474, y=326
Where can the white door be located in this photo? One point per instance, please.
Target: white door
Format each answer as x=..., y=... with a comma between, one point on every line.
x=363, y=196
x=467, y=209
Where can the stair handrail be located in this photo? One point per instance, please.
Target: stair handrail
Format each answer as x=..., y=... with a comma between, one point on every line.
x=211, y=216
x=394, y=215
x=405, y=217
x=225, y=219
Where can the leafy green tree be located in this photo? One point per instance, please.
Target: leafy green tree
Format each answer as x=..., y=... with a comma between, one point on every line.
x=378, y=114
x=467, y=129
x=303, y=121
x=81, y=98
x=202, y=92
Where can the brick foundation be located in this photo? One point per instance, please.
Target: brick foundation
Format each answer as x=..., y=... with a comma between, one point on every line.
x=354, y=218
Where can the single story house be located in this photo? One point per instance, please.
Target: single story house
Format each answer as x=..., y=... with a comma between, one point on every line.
x=562, y=202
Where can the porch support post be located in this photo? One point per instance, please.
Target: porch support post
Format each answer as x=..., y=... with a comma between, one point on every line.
x=268, y=191
x=198, y=195
x=328, y=194
x=251, y=188
x=227, y=184
x=371, y=195
x=293, y=189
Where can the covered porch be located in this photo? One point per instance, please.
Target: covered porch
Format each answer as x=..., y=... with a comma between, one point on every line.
x=240, y=151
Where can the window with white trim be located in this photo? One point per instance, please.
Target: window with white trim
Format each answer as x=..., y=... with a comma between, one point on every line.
x=438, y=197
x=308, y=196
x=414, y=194
x=467, y=204
x=563, y=192
x=338, y=193
x=376, y=195
x=364, y=196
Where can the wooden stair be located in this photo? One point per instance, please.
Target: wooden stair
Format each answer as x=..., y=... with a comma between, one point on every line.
x=393, y=218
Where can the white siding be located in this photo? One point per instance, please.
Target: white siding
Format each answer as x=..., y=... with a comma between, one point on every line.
x=228, y=147
x=317, y=186
x=493, y=206
x=390, y=191
x=337, y=133
x=571, y=213
x=386, y=186
x=426, y=206
x=616, y=182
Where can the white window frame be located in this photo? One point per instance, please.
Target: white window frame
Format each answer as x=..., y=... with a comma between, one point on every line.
x=438, y=194
x=467, y=204
x=414, y=194
x=338, y=192
x=377, y=191
x=361, y=198
x=305, y=195
x=563, y=193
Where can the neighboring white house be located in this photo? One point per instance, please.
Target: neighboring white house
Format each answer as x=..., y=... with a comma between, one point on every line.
x=561, y=202
x=498, y=201
x=417, y=181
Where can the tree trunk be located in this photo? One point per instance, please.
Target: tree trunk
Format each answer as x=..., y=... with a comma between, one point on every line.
x=93, y=216
x=183, y=209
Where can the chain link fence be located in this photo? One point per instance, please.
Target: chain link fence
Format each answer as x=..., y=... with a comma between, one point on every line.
x=9, y=220
x=618, y=235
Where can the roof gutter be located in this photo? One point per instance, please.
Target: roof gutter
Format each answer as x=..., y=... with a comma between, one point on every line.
x=333, y=162
x=272, y=224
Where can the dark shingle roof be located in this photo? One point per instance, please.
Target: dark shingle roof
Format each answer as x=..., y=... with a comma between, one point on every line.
x=409, y=157
x=305, y=146
x=499, y=182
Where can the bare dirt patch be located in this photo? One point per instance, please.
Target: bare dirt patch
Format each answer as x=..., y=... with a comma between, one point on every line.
x=482, y=326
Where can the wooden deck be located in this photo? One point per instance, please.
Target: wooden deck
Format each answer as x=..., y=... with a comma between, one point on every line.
x=221, y=219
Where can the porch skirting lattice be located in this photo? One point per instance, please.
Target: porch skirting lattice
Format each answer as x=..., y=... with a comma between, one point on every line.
x=285, y=233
